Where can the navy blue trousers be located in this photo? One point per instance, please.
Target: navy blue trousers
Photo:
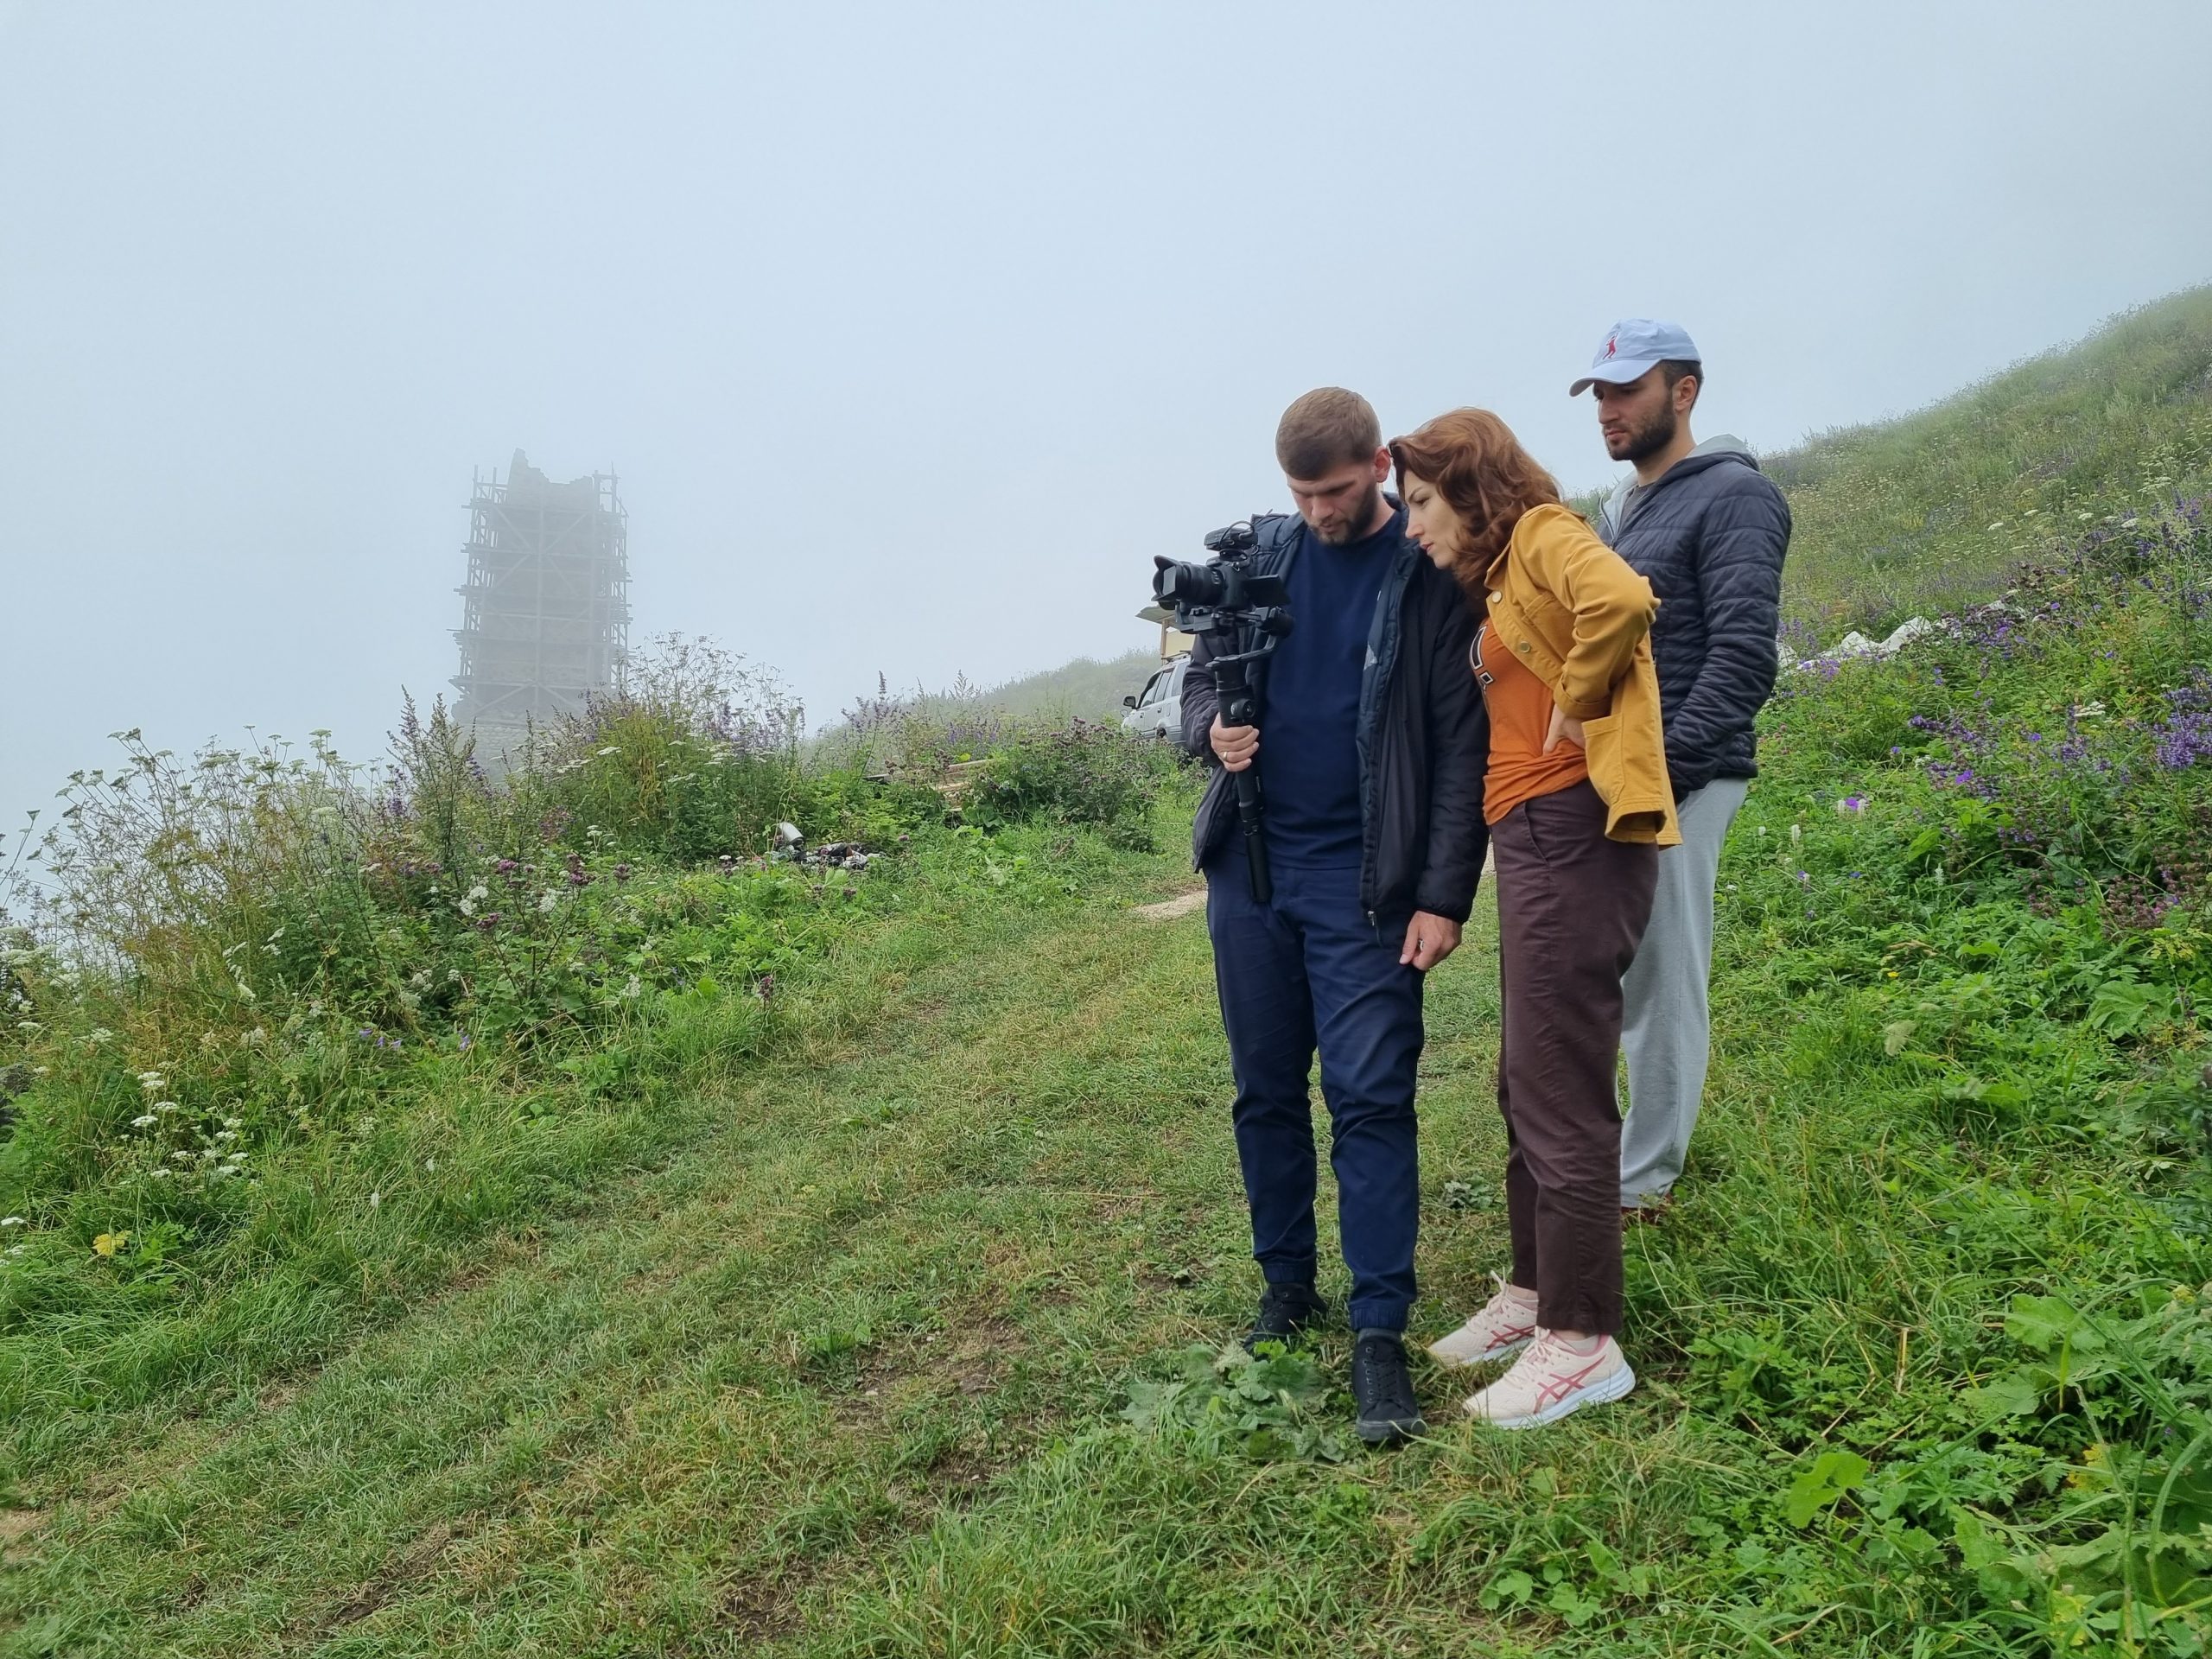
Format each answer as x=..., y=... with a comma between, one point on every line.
x=1309, y=971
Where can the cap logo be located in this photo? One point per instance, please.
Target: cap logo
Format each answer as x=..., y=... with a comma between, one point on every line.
x=1610, y=343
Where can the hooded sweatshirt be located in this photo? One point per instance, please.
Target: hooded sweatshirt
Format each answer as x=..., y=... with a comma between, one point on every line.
x=1709, y=535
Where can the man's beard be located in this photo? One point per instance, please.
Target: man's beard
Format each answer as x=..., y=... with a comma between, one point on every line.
x=1356, y=526
x=1652, y=437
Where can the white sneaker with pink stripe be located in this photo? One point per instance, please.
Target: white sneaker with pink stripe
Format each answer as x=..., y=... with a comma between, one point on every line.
x=1550, y=1379
x=1505, y=1326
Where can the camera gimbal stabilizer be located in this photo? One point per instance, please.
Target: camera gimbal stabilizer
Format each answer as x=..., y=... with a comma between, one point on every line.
x=1225, y=598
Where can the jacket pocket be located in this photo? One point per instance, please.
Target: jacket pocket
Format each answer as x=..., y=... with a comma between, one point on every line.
x=1601, y=753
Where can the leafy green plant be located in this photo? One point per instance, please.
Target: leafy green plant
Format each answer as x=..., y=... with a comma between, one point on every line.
x=1269, y=1404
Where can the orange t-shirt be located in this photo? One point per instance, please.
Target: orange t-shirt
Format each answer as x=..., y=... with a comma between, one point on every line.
x=1520, y=708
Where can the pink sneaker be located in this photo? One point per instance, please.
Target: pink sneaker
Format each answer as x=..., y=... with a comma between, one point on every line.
x=1550, y=1379
x=1505, y=1326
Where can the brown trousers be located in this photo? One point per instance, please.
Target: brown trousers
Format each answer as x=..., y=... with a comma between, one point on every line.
x=1570, y=911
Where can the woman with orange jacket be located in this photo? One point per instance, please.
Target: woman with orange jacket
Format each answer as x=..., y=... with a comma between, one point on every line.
x=1579, y=803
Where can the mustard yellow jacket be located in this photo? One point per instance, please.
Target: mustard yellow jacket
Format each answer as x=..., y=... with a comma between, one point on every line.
x=1580, y=618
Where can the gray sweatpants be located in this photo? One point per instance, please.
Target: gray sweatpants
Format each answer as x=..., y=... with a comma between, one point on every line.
x=1665, y=1024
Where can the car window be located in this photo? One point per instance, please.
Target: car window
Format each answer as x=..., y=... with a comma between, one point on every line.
x=1155, y=688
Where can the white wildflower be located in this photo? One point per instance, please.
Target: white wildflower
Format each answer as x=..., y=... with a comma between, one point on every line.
x=144, y=1121
x=611, y=748
x=430, y=1164
x=257, y=1035
x=467, y=907
x=376, y=1200
x=631, y=987
x=166, y=1107
x=98, y=1035
x=151, y=1082
x=40, y=1070
x=12, y=1221
x=547, y=900
x=160, y=1173
x=479, y=891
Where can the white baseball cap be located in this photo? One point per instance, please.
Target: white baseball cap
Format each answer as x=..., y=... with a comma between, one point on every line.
x=1632, y=349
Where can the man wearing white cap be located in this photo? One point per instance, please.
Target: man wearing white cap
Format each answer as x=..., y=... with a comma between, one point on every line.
x=1708, y=529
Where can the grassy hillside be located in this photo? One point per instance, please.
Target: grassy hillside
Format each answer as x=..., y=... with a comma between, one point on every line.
x=1085, y=687
x=1934, y=510
x=442, y=1218
x=1926, y=512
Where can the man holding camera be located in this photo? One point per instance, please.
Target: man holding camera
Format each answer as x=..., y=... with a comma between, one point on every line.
x=1709, y=531
x=1370, y=746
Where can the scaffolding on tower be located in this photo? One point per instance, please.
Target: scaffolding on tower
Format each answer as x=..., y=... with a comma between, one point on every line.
x=545, y=615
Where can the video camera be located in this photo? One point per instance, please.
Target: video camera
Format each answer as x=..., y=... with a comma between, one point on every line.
x=1226, y=597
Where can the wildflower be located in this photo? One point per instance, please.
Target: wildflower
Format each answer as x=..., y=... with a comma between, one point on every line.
x=40, y=1070
x=547, y=900
x=151, y=1082
x=160, y=1173
x=180, y=1157
x=611, y=748
x=622, y=872
x=467, y=907
x=376, y=1200
x=108, y=1244
x=165, y=1107
x=12, y=1221
x=257, y=1035
x=98, y=1035
x=234, y=1122
x=479, y=891
x=144, y=1121
x=632, y=989
x=1762, y=832
x=430, y=1164
x=1850, y=804
x=464, y=1044
x=1796, y=834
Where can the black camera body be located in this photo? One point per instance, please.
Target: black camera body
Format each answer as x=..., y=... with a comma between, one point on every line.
x=1227, y=598
x=1223, y=593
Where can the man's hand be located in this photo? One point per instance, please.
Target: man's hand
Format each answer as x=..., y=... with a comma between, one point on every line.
x=1235, y=745
x=1429, y=939
x=1565, y=728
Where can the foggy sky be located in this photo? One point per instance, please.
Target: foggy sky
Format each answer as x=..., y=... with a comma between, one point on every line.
x=913, y=332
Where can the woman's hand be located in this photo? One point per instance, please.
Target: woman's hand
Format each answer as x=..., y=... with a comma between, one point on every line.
x=1563, y=727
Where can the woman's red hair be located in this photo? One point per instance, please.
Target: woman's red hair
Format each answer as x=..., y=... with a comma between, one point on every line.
x=1472, y=459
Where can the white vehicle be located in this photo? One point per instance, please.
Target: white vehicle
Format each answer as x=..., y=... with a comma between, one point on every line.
x=1157, y=711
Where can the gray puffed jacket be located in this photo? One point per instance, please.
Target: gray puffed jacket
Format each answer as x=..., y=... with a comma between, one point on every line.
x=1709, y=536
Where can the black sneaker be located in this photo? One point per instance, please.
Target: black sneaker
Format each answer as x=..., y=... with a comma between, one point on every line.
x=1382, y=1389
x=1287, y=1313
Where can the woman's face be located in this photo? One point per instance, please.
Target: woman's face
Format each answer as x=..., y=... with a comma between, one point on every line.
x=1431, y=521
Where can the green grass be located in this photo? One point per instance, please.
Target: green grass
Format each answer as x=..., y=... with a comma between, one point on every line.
x=817, y=1341
x=1929, y=513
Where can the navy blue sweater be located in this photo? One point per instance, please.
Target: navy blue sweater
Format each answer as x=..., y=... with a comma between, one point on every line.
x=1309, y=738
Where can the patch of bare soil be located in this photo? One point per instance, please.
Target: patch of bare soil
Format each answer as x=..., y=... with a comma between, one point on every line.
x=1168, y=909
